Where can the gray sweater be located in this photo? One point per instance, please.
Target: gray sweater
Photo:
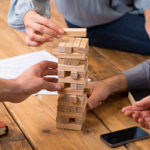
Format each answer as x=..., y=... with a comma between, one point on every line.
x=139, y=76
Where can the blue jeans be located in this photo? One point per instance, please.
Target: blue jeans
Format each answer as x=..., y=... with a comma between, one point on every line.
x=125, y=34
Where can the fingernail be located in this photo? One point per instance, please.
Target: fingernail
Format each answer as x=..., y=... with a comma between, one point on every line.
x=58, y=86
x=60, y=31
x=58, y=36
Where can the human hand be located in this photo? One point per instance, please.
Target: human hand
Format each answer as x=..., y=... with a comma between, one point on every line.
x=102, y=89
x=37, y=26
x=100, y=92
x=140, y=112
x=147, y=21
x=34, y=79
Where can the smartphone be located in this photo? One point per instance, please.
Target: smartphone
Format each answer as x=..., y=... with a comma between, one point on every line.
x=118, y=138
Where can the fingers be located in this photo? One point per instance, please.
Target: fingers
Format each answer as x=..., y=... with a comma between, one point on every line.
x=93, y=101
x=45, y=30
x=37, y=27
x=50, y=86
x=37, y=37
x=47, y=22
x=128, y=113
x=49, y=72
x=47, y=65
x=55, y=80
x=144, y=103
x=131, y=108
x=32, y=43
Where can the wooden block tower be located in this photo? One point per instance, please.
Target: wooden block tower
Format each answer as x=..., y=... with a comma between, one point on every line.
x=73, y=76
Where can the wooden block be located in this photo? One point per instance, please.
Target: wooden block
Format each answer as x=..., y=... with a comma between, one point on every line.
x=75, y=32
x=74, y=62
x=68, y=45
x=81, y=98
x=62, y=108
x=73, y=98
x=80, y=68
x=61, y=74
x=70, y=126
x=71, y=56
x=74, y=86
x=78, y=121
x=63, y=120
x=84, y=45
x=76, y=44
x=81, y=86
x=61, y=47
x=71, y=92
x=68, y=79
x=70, y=114
x=82, y=74
x=74, y=75
x=79, y=109
x=72, y=109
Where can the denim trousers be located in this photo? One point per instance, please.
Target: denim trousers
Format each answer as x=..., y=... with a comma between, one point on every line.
x=125, y=34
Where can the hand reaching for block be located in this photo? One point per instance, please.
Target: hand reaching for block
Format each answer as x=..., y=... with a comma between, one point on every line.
x=31, y=81
x=40, y=29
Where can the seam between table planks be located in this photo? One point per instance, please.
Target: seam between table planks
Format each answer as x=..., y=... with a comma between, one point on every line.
x=13, y=118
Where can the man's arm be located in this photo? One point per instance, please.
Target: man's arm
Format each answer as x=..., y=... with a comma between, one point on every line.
x=102, y=89
x=134, y=78
x=31, y=81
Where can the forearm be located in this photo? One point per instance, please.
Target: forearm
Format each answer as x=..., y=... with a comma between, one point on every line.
x=8, y=89
x=116, y=84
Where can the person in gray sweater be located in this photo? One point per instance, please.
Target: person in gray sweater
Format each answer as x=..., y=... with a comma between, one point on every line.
x=137, y=78
x=115, y=24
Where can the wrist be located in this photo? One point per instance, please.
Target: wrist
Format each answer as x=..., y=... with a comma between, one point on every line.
x=8, y=88
x=115, y=84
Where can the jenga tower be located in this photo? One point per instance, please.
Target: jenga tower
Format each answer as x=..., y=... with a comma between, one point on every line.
x=73, y=76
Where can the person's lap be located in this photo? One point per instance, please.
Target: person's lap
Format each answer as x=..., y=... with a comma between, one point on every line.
x=126, y=34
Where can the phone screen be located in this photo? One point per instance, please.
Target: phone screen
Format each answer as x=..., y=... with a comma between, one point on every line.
x=121, y=137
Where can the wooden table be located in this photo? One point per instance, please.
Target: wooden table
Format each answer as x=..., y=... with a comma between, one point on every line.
x=32, y=123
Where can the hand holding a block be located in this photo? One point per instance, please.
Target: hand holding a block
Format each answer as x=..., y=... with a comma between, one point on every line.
x=100, y=92
x=40, y=29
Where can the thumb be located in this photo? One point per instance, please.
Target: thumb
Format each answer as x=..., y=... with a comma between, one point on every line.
x=93, y=102
x=50, y=86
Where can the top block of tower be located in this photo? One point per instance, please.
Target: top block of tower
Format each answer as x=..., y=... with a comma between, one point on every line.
x=75, y=32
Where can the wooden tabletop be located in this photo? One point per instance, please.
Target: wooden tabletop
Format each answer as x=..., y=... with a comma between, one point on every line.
x=32, y=123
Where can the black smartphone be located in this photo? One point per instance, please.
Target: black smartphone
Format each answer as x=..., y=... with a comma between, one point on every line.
x=118, y=138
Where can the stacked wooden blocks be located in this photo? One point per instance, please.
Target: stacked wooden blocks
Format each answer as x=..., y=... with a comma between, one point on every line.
x=73, y=76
